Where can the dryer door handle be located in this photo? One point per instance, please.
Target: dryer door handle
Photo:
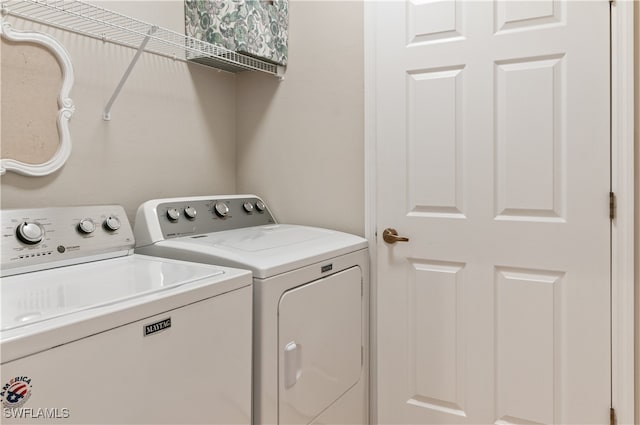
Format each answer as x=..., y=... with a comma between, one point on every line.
x=292, y=364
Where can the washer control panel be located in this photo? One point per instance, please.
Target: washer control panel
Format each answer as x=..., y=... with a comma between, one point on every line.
x=184, y=216
x=36, y=239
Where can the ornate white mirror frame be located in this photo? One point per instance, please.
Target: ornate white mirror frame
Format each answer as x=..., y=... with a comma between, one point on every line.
x=65, y=104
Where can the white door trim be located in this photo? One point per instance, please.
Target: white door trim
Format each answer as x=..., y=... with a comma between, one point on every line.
x=622, y=184
x=622, y=162
x=370, y=202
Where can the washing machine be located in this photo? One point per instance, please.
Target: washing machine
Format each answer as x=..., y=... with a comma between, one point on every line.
x=310, y=358
x=93, y=333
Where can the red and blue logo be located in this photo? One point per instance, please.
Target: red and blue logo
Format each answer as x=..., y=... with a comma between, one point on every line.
x=16, y=392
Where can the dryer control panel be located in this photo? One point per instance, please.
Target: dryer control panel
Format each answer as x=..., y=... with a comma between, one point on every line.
x=176, y=217
x=42, y=238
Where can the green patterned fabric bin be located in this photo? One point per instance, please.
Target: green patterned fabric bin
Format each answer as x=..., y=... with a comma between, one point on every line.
x=254, y=27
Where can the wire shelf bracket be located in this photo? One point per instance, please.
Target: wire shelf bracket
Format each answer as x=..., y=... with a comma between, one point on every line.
x=97, y=22
x=106, y=115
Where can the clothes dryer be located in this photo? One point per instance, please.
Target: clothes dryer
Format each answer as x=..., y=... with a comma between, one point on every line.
x=93, y=333
x=310, y=300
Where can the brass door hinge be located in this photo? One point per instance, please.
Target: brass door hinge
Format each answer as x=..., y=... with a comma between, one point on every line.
x=612, y=416
x=612, y=205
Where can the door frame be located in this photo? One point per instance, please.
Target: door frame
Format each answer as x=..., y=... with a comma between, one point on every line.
x=622, y=227
x=622, y=184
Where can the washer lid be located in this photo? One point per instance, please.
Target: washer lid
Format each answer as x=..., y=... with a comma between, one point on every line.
x=32, y=298
x=265, y=250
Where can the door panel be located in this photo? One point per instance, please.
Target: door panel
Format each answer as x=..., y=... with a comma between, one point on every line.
x=434, y=147
x=512, y=15
x=527, y=342
x=530, y=117
x=492, y=132
x=436, y=336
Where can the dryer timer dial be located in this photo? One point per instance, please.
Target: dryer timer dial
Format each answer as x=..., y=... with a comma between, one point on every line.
x=190, y=213
x=173, y=214
x=221, y=209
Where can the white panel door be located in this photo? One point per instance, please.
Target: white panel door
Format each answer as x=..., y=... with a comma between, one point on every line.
x=492, y=135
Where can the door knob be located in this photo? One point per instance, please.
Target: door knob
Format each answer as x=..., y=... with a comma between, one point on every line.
x=391, y=236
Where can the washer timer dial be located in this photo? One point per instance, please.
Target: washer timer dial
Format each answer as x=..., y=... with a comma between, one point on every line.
x=30, y=233
x=86, y=226
x=112, y=223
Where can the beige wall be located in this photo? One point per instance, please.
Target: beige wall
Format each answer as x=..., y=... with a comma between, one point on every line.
x=301, y=140
x=637, y=206
x=172, y=131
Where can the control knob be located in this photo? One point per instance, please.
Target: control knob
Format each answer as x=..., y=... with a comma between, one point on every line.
x=221, y=209
x=173, y=214
x=112, y=223
x=260, y=206
x=86, y=226
x=248, y=207
x=30, y=233
x=190, y=213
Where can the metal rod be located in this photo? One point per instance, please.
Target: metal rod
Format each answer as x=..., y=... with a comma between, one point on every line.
x=107, y=109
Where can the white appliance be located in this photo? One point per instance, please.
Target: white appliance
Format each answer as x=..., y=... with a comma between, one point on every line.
x=310, y=300
x=93, y=333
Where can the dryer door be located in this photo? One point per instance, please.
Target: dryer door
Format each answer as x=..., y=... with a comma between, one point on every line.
x=320, y=343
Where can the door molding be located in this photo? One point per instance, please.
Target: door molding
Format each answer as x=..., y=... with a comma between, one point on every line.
x=370, y=198
x=622, y=228
x=622, y=183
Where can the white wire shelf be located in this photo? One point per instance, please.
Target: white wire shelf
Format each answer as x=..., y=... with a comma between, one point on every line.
x=97, y=22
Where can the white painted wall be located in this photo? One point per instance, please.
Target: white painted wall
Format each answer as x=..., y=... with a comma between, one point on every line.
x=172, y=131
x=301, y=140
